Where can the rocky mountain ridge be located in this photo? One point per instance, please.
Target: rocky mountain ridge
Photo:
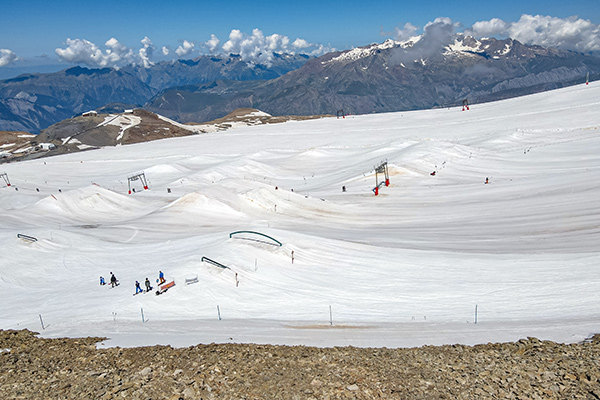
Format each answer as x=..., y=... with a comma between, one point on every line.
x=93, y=130
x=394, y=76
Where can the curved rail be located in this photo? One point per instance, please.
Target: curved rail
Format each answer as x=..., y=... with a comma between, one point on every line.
x=256, y=233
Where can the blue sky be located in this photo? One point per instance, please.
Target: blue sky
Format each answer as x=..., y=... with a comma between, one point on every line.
x=32, y=31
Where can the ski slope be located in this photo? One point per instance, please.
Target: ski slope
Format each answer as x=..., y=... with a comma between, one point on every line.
x=406, y=268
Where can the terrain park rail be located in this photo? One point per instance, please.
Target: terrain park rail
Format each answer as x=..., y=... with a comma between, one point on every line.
x=256, y=233
x=25, y=237
x=213, y=262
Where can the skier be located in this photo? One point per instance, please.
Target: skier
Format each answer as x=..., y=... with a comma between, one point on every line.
x=138, y=289
x=102, y=281
x=113, y=280
x=487, y=180
x=161, y=278
x=148, y=287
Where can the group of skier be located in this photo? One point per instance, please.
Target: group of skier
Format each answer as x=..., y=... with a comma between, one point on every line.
x=113, y=280
x=138, y=289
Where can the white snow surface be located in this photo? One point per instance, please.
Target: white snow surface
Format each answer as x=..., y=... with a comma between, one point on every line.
x=459, y=47
x=191, y=128
x=122, y=121
x=405, y=268
x=257, y=113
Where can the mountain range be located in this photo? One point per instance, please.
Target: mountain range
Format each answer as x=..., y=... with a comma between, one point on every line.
x=390, y=76
x=32, y=102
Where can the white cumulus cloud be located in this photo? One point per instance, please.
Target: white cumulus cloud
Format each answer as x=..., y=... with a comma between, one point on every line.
x=300, y=44
x=570, y=33
x=440, y=31
x=7, y=57
x=165, y=51
x=145, y=52
x=118, y=49
x=81, y=51
x=492, y=27
x=258, y=48
x=436, y=35
x=114, y=54
x=185, y=48
x=213, y=44
x=405, y=33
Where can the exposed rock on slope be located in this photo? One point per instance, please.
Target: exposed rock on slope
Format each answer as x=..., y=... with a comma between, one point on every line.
x=94, y=130
x=252, y=116
x=12, y=143
x=98, y=130
x=139, y=125
x=32, y=368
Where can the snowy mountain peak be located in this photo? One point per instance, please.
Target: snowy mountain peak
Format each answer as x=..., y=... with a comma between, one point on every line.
x=363, y=52
x=462, y=44
x=487, y=47
x=422, y=49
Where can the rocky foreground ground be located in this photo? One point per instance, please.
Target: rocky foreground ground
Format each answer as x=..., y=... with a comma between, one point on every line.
x=34, y=368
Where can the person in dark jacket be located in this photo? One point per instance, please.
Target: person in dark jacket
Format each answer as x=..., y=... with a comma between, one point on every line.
x=113, y=280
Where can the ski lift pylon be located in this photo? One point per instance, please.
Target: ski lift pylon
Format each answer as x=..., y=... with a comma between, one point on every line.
x=4, y=175
x=139, y=176
x=381, y=168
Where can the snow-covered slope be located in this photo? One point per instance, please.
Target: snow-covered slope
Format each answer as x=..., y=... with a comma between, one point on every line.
x=407, y=267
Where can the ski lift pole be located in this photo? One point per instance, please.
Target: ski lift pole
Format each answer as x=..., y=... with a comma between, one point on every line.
x=4, y=175
x=387, y=175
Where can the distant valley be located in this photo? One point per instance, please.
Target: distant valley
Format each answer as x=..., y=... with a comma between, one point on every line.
x=32, y=102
